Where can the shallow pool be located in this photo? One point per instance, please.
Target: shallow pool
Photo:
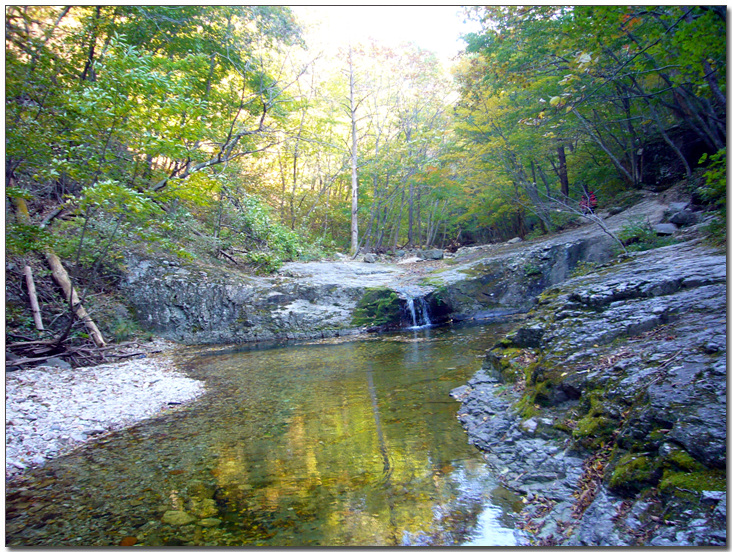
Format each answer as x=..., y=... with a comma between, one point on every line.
x=346, y=442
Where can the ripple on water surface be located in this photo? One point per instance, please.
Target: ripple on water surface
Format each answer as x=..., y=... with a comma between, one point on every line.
x=347, y=442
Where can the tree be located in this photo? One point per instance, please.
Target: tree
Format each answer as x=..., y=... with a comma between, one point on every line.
x=120, y=115
x=127, y=94
x=353, y=106
x=590, y=88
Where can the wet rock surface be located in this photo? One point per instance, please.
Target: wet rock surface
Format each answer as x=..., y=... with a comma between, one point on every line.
x=608, y=409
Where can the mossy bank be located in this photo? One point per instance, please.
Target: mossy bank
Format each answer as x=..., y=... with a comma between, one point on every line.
x=608, y=408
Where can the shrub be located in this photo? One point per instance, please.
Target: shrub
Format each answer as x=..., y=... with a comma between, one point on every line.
x=638, y=235
x=715, y=189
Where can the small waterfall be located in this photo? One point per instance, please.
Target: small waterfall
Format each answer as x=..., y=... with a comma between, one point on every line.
x=417, y=310
x=425, y=312
x=410, y=306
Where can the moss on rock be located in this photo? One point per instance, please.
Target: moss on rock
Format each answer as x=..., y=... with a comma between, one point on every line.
x=674, y=482
x=633, y=473
x=378, y=307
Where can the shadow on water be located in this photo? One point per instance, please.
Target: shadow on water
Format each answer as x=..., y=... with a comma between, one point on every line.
x=345, y=442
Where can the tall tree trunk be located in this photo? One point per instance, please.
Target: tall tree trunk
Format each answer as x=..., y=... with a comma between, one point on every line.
x=410, y=233
x=661, y=127
x=635, y=141
x=600, y=142
x=89, y=73
x=398, y=224
x=327, y=210
x=354, y=159
x=562, y=171
x=545, y=180
x=283, y=181
x=419, y=217
x=295, y=157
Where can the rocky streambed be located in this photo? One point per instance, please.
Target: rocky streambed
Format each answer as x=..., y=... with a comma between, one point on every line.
x=607, y=410
x=203, y=304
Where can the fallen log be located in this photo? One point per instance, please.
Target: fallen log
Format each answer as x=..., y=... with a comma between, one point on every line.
x=62, y=279
x=18, y=344
x=35, y=309
x=27, y=360
x=128, y=355
x=232, y=259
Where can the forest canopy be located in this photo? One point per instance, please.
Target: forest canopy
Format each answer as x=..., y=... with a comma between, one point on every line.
x=142, y=124
x=216, y=134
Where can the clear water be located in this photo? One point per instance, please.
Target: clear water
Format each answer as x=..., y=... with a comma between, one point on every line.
x=338, y=443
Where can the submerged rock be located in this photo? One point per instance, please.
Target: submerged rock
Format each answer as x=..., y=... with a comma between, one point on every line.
x=177, y=517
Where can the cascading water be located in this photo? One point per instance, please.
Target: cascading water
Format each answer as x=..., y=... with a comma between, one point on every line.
x=412, y=312
x=417, y=310
x=425, y=312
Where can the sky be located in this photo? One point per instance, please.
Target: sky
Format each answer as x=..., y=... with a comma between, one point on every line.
x=435, y=28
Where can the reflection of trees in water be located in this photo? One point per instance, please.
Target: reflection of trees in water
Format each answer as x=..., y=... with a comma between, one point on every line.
x=344, y=446
x=388, y=470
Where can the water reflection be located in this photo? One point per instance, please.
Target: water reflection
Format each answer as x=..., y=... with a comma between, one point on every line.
x=328, y=444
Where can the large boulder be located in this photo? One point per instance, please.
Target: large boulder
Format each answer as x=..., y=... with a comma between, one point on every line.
x=431, y=254
x=490, y=282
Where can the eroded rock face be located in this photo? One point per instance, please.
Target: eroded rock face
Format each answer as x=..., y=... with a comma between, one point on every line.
x=196, y=305
x=202, y=306
x=506, y=279
x=614, y=393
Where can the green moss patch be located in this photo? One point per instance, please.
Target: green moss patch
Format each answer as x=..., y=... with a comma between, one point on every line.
x=594, y=431
x=378, y=307
x=682, y=460
x=682, y=473
x=674, y=482
x=508, y=364
x=633, y=473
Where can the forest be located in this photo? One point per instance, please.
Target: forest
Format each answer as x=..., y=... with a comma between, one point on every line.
x=215, y=134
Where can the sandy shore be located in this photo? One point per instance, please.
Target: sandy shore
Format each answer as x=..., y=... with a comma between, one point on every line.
x=50, y=411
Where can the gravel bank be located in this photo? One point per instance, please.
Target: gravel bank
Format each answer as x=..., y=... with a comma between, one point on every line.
x=50, y=411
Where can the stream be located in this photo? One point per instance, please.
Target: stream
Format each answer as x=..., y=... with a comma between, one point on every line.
x=344, y=442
